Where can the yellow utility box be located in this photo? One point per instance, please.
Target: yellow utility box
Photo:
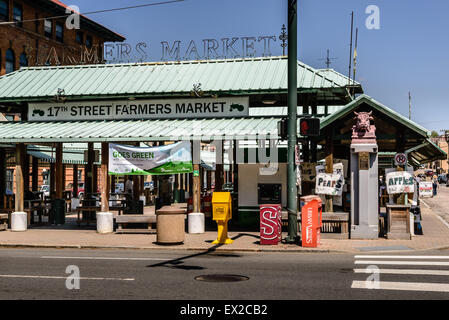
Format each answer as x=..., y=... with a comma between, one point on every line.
x=222, y=213
x=221, y=206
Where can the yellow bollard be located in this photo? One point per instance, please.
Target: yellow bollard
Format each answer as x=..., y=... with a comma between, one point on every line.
x=222, y=213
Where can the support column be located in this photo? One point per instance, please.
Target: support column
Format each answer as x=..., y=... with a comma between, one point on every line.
x=35, y=174
x=88, y=172
x=105, y=219
x=2, y=174
x=52, y=181
x=19, y=221
x=196, y=183
x=75, y=181
x=329, y=207
x=59, y=176
x=219, y=178
x=235, y=181
x=292, y=193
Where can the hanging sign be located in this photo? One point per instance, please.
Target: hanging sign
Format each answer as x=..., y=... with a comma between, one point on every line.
x=330, y=184
x=140, y=109
x=170, y=159
x=399, y=182
x=308, y=171
x=425, y=189
x=400, y=159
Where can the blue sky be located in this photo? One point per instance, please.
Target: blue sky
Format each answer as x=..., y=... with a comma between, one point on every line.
x=409, y=52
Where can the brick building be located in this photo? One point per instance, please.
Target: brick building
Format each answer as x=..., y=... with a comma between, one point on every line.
x=30, y=35
x=35, y=33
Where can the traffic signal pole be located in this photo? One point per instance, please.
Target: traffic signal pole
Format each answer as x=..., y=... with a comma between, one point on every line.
x=292, y=194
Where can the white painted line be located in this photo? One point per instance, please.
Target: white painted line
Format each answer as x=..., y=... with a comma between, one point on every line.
x=404, y=286
x=442, y=220
x=410, y=263
x=105, y=258
x=55, y=277
x=399, y=257
x=420, y=200
x=404, y=271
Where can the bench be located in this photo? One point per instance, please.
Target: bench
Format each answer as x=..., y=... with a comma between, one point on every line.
x=121, y=220
x=3, y=222
x=335, y=224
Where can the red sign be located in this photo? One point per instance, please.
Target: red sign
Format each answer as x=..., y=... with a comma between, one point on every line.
x=311, y=223
x=270, y=224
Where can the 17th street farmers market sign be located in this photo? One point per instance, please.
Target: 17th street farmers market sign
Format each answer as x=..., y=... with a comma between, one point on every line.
x=140, y=109
x=171, y=159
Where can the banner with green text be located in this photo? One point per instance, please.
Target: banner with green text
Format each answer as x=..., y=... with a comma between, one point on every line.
x=170, y=159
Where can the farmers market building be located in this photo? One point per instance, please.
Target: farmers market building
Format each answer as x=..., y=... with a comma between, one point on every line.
x=71, y=115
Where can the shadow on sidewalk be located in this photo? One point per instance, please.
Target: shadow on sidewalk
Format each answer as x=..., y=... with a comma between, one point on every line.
x=176, y=263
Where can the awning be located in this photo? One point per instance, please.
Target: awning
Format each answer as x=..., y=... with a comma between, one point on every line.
x=138, y=131
x=426, y=152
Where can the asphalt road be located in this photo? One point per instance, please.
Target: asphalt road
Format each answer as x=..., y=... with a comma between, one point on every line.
x=140, y=274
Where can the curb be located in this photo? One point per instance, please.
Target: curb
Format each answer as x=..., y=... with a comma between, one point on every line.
x=43, y=246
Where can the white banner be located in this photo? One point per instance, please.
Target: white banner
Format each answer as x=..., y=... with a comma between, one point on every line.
x=399, y=182
x=170, y=159
x=425, y=189
x=140, y=109
x=330, y=184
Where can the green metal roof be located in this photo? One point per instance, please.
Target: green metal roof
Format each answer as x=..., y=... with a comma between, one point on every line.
x=145, y=130
x=228, y=76
x=378, y=106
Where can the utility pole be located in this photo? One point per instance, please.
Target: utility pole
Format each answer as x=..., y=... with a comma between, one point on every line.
x=292, y=194
x=409, y=106
x=328, y=59
x=350, y=47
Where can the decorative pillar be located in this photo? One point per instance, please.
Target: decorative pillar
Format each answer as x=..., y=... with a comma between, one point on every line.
x=19, y=221
x=364, y=179
x=105, y=219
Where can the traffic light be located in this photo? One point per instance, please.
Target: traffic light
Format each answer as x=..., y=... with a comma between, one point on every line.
x=282, y=129
x=309, y=127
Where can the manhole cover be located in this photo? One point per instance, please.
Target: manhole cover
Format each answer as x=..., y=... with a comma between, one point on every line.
x=221, y=278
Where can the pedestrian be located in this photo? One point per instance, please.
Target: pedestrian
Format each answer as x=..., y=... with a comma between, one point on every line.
x=129, y=186
x=435, y=186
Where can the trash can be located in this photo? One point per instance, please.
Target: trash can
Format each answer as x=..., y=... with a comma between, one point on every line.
x=270, y=224
x=58, y=216
x=134, y=207
x=170, y=222
x=177, y=196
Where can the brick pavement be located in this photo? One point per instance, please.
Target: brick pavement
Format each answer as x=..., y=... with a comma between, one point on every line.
x=436, y=235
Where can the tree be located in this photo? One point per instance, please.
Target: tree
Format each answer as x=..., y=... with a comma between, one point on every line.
x=434, y=134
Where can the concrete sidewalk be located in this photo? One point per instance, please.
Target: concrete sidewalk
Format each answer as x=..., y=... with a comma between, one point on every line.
x=436, y=236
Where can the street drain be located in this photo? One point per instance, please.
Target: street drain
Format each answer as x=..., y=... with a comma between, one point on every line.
x=221, y=278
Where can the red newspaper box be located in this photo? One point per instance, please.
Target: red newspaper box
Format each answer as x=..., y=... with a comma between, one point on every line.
x=270, y=224
x=311, y=221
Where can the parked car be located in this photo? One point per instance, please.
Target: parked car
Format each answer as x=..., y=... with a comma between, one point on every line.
x=45, y=189
x=80, y=190
x=442, y=178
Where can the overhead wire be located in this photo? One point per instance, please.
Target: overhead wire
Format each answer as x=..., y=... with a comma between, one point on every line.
x=93, y=12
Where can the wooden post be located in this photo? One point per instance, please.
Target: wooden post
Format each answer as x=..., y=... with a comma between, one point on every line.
x=75, y=181
x=35, y=174
x=26, y=171
x=59, y=167
x=219, y=166
x=2, y=174
x=235, y=181
x=52, y=181
x=88, y=172
x=329, y=169
x=20, y=190
x=104, y=177
x=94, y=178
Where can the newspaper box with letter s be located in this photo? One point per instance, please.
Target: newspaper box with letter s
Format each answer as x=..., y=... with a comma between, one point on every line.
x=270, y=224
x=311, y=221
x=222, y=213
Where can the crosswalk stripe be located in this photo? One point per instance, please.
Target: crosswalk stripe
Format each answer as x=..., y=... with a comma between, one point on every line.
x=412, y=263
x=406, y=286
x=400, y=257
x=405, y=271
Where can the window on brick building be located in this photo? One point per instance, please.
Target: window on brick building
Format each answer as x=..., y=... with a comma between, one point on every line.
x=17, y=14
x=89, y=41
x=79, y=37
x=48, y=28
x=4, y=10
x=10, y=61
x=59, y=32
x=23, y=60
